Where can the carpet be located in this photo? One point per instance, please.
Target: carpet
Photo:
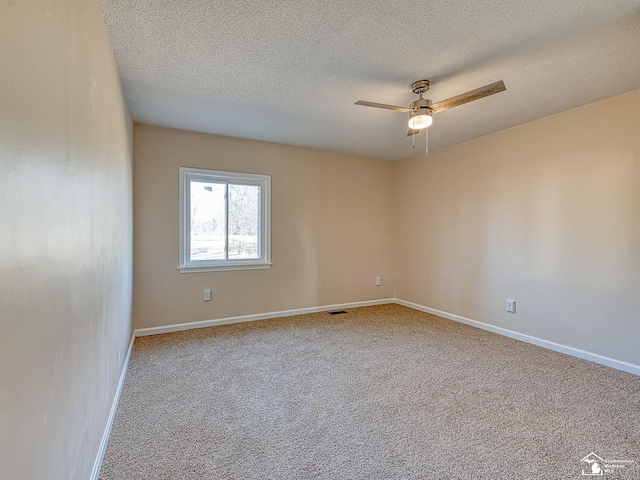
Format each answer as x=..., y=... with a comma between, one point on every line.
x=384, y=392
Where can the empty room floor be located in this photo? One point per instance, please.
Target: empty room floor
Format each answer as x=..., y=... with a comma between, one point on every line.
x=380, y=392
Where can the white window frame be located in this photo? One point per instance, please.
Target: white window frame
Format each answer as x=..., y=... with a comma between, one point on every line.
x=186, y=265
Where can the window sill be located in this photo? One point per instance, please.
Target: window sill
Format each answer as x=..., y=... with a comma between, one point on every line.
x=222, y=268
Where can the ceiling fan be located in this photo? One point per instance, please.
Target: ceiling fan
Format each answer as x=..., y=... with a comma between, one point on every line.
x=421, y=110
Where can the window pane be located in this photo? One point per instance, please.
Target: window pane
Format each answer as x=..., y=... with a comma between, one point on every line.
x=208, y=228
x=244, y=221
x=224, y=220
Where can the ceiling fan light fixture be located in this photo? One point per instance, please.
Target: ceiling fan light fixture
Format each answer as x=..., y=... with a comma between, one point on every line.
x=420, y=118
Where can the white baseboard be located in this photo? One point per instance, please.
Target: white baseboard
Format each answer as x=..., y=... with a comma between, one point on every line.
x=140, y=332
x=95, y=473
x=574, y=352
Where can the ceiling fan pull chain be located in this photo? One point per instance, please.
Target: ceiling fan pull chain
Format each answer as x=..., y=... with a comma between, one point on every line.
x=426, y=141
x=413, y=138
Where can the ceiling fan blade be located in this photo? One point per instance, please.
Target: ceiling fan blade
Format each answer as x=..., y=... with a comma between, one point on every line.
x=382, y=105
x=413, y=131
x=469, y=96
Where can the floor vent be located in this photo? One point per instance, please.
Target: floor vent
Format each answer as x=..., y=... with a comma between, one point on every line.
x=337, y=312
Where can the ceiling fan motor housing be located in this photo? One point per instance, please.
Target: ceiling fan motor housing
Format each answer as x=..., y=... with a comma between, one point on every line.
x=421, y=103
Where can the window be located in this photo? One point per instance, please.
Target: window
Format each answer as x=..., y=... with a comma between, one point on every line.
x=224, y=220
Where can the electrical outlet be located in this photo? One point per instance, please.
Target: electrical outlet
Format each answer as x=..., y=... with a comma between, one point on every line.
x=206, y=296
x=511, y=306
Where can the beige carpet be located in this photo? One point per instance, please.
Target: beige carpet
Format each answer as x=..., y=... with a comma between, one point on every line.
x=378, y=393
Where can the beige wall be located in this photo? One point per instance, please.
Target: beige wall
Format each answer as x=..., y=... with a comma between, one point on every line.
x=547, y=213
x=331, y=229
x=65, y=238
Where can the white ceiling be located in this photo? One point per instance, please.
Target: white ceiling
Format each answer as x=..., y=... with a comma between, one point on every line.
x=289, y=71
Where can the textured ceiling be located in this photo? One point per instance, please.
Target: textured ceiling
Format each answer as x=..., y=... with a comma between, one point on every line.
x=289, y=71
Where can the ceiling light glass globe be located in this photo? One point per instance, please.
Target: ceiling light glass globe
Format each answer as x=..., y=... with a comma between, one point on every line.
x=420, y=120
